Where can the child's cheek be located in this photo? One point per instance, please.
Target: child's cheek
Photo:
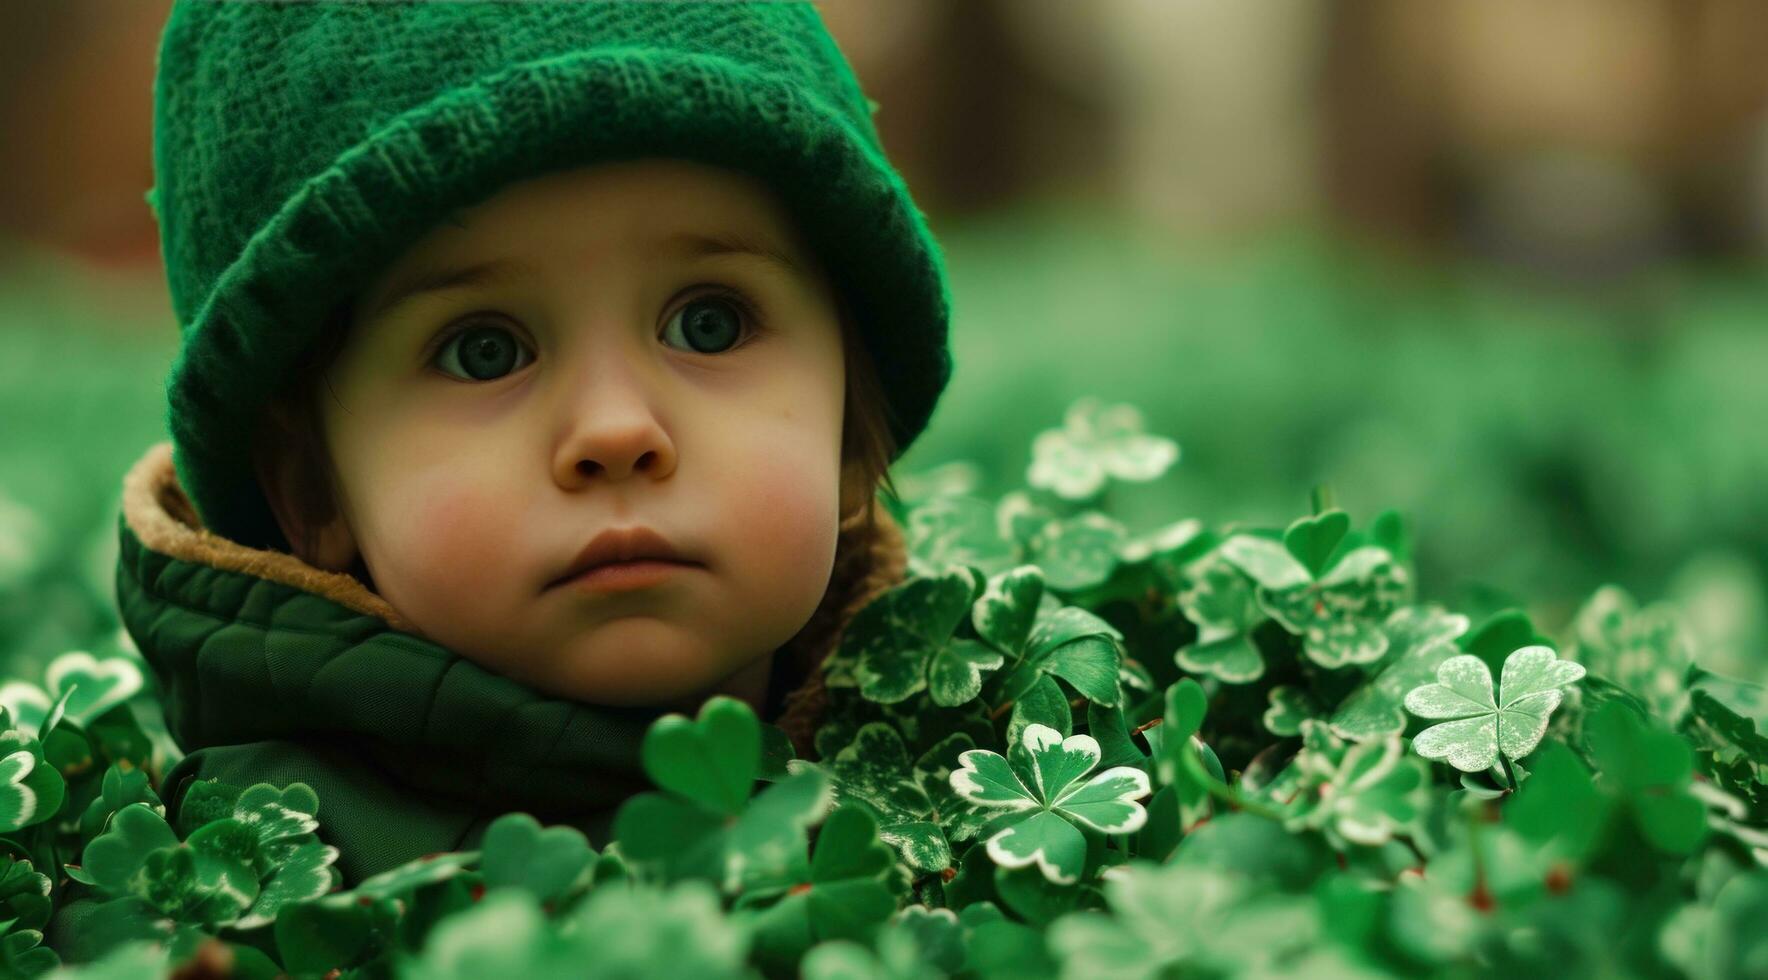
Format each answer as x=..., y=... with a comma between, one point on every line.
x=445, y=547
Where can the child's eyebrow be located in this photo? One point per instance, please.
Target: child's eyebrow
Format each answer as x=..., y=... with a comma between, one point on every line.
x=684, y=245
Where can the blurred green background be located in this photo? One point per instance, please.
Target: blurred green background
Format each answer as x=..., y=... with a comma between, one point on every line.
x=1499, y=268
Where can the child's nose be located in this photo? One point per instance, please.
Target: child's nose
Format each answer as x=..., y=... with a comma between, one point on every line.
x=615, y=449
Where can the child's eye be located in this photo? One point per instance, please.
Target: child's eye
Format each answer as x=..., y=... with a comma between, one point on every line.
x=711, y=323
x=484, y=352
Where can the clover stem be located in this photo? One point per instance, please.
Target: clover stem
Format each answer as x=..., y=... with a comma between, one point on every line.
x=1412, y=845
x=1509, y=775
x=1227, y=794
x=1000, y=709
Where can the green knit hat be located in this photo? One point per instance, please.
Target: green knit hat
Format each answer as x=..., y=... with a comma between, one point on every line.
x=299, y=148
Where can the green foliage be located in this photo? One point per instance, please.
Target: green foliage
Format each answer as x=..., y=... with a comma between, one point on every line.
x=1057, y=747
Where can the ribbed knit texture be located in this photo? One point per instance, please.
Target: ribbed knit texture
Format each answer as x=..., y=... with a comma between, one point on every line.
x=300, y=147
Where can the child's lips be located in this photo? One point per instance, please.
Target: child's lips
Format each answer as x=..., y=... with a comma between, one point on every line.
x=627, y=576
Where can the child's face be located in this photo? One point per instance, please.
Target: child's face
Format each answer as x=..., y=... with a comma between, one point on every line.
x=612, y=377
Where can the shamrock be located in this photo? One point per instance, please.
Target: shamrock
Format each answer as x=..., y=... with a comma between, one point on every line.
x=1047, y=639
x=1330, y=595
x=946, y=532
x=844, y=892
x=96, y=685
x=1363, y=792
x=873, y=772
x=1178, y=920
x=903, y=641
x=1220, y=601
x=551, y=863
x=1290, y=707
x=31, y=790
x=705, y=824
x=1096, y=442
x=1420, y=638
x=1646, y=651
x=1080, y=552
x=139, y=860
x=1046, y=832
x=1483, y=727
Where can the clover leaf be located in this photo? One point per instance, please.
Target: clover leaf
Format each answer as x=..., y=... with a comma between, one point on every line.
x=1649, y=770
x=1420, y=638
x=1331, y=597
x=1482, y=727
x=1290, y=707
x=1646, y=651
x=303, y=872
x=31, y=791
x=1219, y=599
x=844, y=892
x=904, y=642
x=873, y=772
x=96, y=685
x=1363, y=792
x=1080, y=552
x=711, y=760
x=1071, y=643
x=549, y=863
x=705, y=825
x=948, y=532
x=1097, y=442
x=1056, y=802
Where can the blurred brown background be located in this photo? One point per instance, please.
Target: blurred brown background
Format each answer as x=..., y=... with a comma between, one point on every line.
x=1571, y=138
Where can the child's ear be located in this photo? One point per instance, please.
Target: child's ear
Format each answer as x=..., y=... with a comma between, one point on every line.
x=289, y=488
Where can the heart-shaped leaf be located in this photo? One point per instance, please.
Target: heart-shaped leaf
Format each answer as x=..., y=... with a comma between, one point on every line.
x=96, y=685
x=1312, y=540
x=711, y=760
x=548, y=863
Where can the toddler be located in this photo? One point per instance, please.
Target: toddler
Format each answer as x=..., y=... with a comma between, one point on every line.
x=541, y=364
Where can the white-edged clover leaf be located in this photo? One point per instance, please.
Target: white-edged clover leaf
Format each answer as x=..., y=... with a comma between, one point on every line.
x=903, y=641
x=1290, y=706
x=1361, y=792
x=1219, y=599
x=31, y=790
x=1079, y=552
x=1334, y=599
x=1046, y=834
x=1419, y=638
x=96, y=685
x=947, y=532
x=1645, y=650
x=1009, y=605
x=1481, y=726
x=874, y=772
x=1097, y=442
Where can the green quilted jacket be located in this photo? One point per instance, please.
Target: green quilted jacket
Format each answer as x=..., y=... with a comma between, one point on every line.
x=274, y=671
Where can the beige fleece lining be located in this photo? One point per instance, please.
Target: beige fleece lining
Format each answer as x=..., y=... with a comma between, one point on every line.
x=163, y=518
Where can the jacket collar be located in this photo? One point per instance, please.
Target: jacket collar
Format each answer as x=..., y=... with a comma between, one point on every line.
x=251, y=645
